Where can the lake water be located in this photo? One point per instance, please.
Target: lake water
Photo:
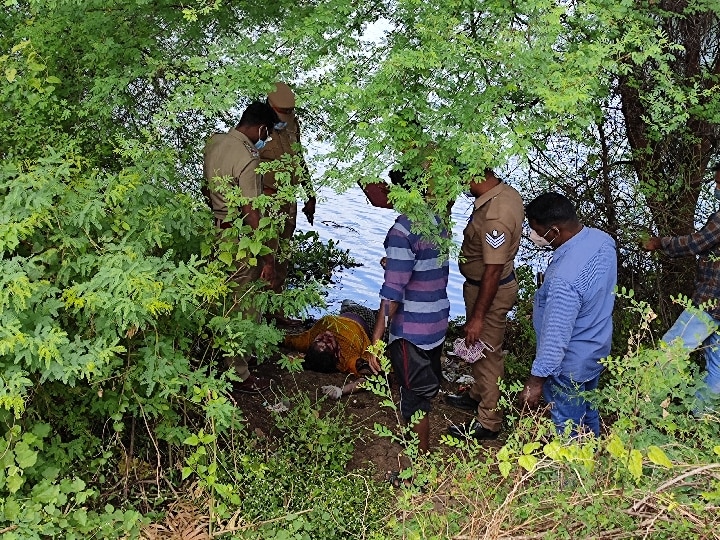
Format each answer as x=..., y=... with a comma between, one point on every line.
x=359, y=227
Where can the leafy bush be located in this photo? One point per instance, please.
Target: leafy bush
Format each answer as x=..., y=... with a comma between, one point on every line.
x=293, y=486
x=654, y=473
x=311, y=259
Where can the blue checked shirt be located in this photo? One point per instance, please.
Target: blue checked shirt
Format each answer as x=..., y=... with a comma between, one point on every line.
x=704, y=243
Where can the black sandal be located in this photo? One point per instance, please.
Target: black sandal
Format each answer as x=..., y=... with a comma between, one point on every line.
x=394, y=479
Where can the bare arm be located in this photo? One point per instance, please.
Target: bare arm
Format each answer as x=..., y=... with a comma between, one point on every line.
x=488, y=289
x=388, y=308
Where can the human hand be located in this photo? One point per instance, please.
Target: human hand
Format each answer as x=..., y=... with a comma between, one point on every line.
x=333, y=392
x=472, y=330
x=651, y=243
x=531, y=394
x=374, y=364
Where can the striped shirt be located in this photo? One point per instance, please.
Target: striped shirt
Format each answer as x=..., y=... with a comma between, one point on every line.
x=416, y=276
x=706, y=244
x=572, y=314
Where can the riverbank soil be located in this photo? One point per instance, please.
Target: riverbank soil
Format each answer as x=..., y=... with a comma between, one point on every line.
x=362, y=408
x=377, y=454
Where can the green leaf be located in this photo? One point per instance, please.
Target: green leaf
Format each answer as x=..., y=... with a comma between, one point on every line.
x=14, y=482
x=10, y=74
x=41, y=430
x=505, y=468
x=53, y=80
x=615, y=446
x=529, y=448
x=226, y=257
x=527, y=461
x=634, y=464
x=24, y=455
x=552, y=450
x=80, y=515
x=658, y=457
x=12, y=509
x=192, y=440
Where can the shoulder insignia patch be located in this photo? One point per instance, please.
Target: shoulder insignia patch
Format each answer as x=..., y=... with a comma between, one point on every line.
x=254, y=152
x=495, y=239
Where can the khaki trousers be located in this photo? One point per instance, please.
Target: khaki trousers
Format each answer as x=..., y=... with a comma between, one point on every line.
x=488, y=370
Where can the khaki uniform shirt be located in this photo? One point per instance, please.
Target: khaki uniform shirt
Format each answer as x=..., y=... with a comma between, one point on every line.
x=281, y=144
x=231, y=155
x=493, y=234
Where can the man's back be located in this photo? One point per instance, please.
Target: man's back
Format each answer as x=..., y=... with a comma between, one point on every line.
x=416, y=276
x=230, y=155
x=573, y=308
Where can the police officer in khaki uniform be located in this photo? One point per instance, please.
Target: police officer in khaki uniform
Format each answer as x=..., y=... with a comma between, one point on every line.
x=490, y=243
x=286, y=141
x=230, y=160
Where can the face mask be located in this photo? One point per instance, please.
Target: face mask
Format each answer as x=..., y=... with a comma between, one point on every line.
x=538, y=240
x=260, y=144
x=280, y=126
x=541, y=241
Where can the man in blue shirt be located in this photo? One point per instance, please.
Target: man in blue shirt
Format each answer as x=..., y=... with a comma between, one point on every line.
x=572, y=313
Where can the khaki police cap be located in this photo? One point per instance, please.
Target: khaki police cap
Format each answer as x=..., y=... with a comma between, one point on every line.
x=282, y=97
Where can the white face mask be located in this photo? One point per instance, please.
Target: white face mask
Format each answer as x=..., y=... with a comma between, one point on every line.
x=541, y=241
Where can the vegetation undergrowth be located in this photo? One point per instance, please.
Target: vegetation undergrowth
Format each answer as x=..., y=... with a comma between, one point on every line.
x=115, y=302
x=291, y=485
x=654, y=473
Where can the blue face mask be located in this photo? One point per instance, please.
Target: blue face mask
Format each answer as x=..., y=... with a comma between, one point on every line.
x=260, y=144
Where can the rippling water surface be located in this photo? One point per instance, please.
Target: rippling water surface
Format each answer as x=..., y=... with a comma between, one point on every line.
x=360, y=227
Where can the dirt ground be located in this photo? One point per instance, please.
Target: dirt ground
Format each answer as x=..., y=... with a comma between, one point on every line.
x=363, y=406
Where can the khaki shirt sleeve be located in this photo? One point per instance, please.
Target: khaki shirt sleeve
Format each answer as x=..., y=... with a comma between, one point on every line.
x=495, y=234
x=247, y=179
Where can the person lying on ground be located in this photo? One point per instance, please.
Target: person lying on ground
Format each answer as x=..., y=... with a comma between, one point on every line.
x=338, y=343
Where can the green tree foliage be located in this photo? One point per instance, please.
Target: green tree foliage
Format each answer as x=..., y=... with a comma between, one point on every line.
x=110, y=290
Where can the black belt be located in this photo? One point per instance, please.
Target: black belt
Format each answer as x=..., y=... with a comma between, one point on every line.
x=504, y=281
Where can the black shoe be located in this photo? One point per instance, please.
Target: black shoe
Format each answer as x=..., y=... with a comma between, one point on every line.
x=462, y=401
x=474, y=430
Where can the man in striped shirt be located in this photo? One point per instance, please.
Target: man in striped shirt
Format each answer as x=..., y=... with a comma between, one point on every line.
x=414, y=303
x=699, y=327
x=572, y=313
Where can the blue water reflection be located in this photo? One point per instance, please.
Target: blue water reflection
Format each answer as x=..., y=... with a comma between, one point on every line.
x=356, y=225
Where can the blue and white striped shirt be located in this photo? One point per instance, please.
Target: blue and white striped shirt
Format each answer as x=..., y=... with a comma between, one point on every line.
x=416, y=276
x=572, y=314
